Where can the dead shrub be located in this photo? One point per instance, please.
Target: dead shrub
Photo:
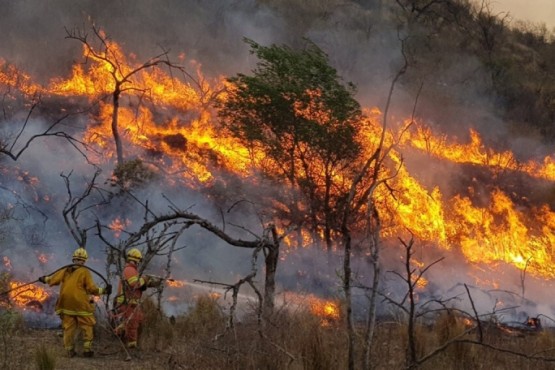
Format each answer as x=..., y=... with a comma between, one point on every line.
x=11, y=324
x=205, y=317
x=450, y=326
x=156, y=331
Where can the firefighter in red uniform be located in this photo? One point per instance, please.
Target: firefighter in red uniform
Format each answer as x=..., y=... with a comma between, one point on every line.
x=130, y=290
x=74, y=305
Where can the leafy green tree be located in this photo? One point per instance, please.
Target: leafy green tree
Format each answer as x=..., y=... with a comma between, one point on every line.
x=295, y=110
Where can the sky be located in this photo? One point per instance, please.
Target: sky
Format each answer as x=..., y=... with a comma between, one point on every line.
x=529, y=10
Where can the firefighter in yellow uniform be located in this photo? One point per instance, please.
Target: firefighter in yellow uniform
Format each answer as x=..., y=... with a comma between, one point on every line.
x=74, y=305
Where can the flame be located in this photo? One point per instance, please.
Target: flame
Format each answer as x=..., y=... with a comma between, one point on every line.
x=118, y=225
x=175, y=283
x=43, y=259
x=168, y=123
x=215, y=295
x=28, y=295
x=7, y=263
x=12, y=78
x=328, y=311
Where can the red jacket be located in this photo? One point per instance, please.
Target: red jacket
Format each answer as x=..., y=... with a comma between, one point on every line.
x=131, y=286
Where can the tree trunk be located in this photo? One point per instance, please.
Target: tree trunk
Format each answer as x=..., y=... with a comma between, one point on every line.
x=374, y=236
x=348, y=303
x=270, y=279
x=115, y=131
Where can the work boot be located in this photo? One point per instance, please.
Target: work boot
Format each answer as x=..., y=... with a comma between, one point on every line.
x=88, y=354
x=71, y=353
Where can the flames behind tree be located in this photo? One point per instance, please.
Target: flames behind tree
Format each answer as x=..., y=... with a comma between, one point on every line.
x=170, y=125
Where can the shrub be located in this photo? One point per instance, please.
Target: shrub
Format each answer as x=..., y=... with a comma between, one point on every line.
x=44, y=359
x=131, y=174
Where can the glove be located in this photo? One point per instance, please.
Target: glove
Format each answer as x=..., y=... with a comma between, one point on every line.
x=108, y=289
x=156, y=282
x=42, y=279
x=153, y=281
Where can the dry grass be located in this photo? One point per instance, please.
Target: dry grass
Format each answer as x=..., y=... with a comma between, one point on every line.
x=287, y=340
x=44, y=358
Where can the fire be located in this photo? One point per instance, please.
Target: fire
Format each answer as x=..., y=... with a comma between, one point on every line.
x=11, y=77
x=7, y=262
x=475, y=152
x=175, y=283
x=328, y=311
x=43, y=258
x=169, y=124
x=29, y=295
x=215, y=295
x=118, y=225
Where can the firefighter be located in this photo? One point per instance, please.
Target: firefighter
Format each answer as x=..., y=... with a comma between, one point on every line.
x=74, y=305
x=127, y=302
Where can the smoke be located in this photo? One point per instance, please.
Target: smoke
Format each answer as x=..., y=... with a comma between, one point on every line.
x=363, y=45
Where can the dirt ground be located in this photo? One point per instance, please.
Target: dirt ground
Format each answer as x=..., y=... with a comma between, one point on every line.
x=109, y=354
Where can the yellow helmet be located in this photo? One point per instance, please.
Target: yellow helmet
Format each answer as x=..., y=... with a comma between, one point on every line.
x=134, y=255
x=80, y=254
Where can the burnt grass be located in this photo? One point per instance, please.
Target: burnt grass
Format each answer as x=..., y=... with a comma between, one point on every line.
x=286, y=340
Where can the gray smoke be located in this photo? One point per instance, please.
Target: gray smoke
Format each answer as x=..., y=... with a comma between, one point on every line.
x=362, y=44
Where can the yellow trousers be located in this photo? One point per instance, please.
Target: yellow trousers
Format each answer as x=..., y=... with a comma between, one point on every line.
x=72, y=324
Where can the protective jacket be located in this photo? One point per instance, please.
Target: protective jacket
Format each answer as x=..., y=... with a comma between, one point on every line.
x=77, y=285
x=131, y=286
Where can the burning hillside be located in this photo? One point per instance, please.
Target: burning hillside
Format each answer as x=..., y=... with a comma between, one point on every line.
x=164, y=116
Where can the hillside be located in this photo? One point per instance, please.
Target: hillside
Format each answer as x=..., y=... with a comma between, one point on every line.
x=329, y=163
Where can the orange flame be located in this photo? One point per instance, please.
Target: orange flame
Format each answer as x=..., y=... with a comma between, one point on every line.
x=27, y=295
x=328, y=311
x=175, y=283
x=170, y=121
x=7, y=262
x=43, y=259
x=118, y=225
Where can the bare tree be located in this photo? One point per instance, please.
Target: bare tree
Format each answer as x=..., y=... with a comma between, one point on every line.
x=75, y=206
x=361, y=194
x=159, y=234
x=122, y=76
x=14, y=147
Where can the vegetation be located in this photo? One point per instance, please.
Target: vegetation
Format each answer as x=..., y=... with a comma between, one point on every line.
x=300, y=123
x=44, y=358
x=294, y=110
x=132, y=174
x=297, y=340
x=11, y=324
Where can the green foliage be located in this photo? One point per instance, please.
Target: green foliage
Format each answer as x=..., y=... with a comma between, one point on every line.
x=294, y=97
x=295, y=109
x=518, y=59
x=132, y=174
x=5, y=278
x=10, y=322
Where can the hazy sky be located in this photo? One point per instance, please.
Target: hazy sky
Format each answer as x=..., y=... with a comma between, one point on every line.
x=533, y=10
